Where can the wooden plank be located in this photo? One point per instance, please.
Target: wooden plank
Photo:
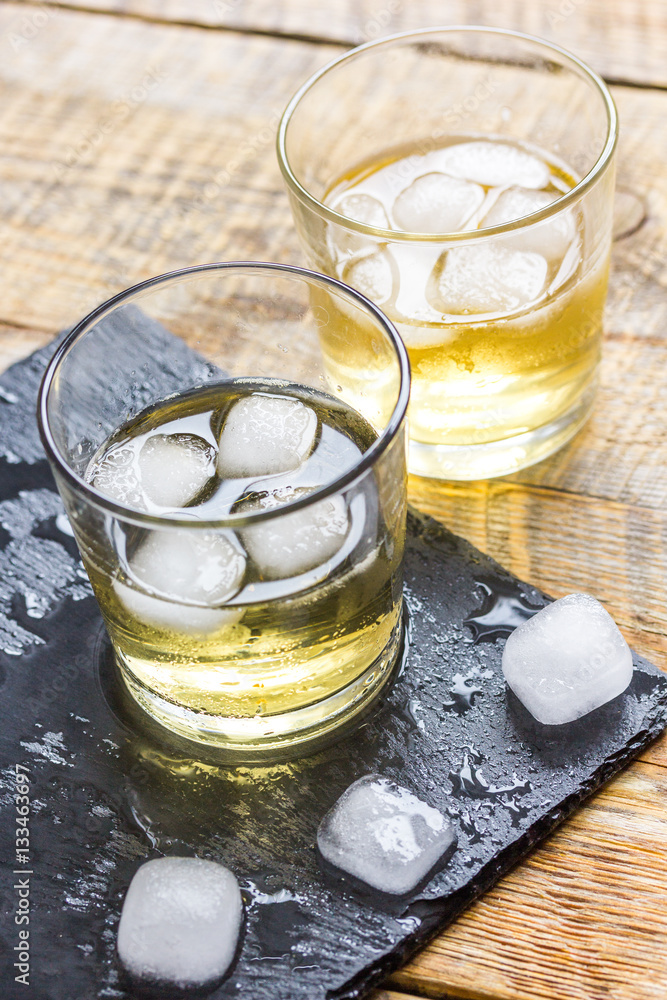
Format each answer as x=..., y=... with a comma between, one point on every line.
x=391, y=995
x=582, y=918
x=621, y=39
x=123, y=201
x=17, y=342
x=146, y=173
x=127, y=148
x=621, y=453
x=164, y=157
x=564, y=542
x=135, y=149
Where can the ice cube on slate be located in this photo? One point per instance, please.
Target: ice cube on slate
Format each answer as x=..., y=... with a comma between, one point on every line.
x=175, y=468
x=384, y=835
x=372, y=275
x=567, y=660
x=188, y=574
x=490, y=279
x=299, y=541
x=436, y=203
x=180, y=922
x=550, y=238
x=494, y=164
x=265, y=434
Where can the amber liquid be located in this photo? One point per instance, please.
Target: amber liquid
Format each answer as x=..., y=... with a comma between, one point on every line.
x=277, y=646
x=481, y=376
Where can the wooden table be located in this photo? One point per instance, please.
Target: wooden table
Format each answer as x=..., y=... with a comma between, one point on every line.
x=138, y=136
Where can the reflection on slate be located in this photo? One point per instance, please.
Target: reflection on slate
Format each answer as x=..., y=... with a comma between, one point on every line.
x=106, y=796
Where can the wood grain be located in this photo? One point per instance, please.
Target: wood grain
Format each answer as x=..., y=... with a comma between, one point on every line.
x=563, y=542
x=575, y=921
x=129, y=147
x=17, y=342
x=142, y=177
x=621, y=39
x=391, y=995
x=135, y=149
x=135, y=173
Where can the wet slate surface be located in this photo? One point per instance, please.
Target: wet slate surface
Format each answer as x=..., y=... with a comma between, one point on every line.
x=106, y=795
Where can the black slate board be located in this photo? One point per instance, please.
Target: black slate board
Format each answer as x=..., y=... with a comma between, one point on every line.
x=105, y=795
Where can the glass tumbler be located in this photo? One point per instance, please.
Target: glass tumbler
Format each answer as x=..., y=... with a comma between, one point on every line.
x=462, y=178
x=240, y=512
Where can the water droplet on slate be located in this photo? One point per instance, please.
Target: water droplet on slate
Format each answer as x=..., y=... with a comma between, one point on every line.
x=469, y=828
x=8, y=397
x=470, y=781
x=278, y=929
x=517, y=811
x=504, y=608
x=463, y=693
x=407, y=711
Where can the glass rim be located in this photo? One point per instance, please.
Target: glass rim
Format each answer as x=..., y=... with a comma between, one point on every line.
x=398, y=236
x=143, y=518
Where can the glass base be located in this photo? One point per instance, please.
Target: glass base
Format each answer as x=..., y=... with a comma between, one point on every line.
x=273, y=737
x=498, y=458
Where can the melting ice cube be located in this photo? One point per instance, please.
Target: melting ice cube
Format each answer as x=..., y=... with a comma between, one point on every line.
x=423, y=337
x=436, y=203
x=494, y=164
x=180, y=922
x=415, y=265
x=117, y=475
x=567, y=660
x=384, y=835
x=490, y=279
x=362, y=208
x=299, y=541
x=372, y=275
x=550, y=238
x=181, y=578
x=175, y=468
x=265, y=434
